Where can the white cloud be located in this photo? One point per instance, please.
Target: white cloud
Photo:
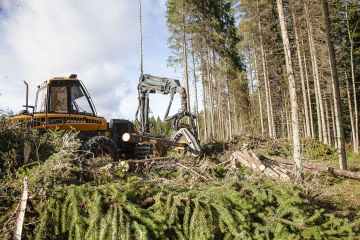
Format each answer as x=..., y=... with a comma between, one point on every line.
x=95, y=39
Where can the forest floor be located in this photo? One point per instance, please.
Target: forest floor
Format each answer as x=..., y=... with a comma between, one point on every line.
x=340, y=193
x=333, y=193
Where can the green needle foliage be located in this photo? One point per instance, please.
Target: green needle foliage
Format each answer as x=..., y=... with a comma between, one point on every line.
x=73, y=198
x=258, y=209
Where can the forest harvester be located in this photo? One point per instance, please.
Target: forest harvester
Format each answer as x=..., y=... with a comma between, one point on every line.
x=64, y=103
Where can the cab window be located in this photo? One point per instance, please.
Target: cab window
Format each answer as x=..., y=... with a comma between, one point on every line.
x=41, y=99
x=58, y=100
x=79, y=102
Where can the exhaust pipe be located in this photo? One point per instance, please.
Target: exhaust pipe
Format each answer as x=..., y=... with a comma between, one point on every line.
x=27, y=97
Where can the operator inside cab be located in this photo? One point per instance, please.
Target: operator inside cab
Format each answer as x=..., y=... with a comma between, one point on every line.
x=58, y=100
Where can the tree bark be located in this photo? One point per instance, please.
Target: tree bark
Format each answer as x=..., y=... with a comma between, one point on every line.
x=308, y=92
x=204, y=95
x=288, y=132
x=333, y=123
x=353, y=131
x=356, y=114
x=336, y=90
x=292, y=88
x=261, y=111
x=210, y=93
x=327, y=118
x=228, y=94
x=303, y=88
x=195, y=84
x=185, y=60
x=273, y=127
x=236, y=116
x=266, y=83
x=259, y=92
x=319, y=102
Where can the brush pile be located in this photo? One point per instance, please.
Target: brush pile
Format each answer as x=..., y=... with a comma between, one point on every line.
x=175, y=198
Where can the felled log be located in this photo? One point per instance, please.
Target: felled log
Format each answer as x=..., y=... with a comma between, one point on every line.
x=245, y=158
x=312, y=167
x=283, y=170
x=21, y=215
x=249, y=159
x=333, y=171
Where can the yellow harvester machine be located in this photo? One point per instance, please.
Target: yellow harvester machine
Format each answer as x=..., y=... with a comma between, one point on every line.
x=64, y=103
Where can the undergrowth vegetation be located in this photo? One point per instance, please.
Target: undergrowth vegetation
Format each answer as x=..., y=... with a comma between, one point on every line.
x=312, y=149
x=75, y=198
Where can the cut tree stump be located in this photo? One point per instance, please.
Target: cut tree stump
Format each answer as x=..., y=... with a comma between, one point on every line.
x=27, y=151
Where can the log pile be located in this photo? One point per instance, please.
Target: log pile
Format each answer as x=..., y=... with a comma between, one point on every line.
x=272, y=169
x=281, y=169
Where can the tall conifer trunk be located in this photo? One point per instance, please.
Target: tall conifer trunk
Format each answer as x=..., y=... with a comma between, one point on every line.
x=303, y=87
x=185, y=60
x=266, y=83
x=210, y=92
x=308, y=92
x=319, y=99
x=355, y=113
x=204, y=95
x=259, y=93
x=336, y=90
x=195, y=83
x=292, y=88
x=352, y=123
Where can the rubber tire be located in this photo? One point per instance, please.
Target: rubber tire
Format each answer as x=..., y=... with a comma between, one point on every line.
x=100, y=146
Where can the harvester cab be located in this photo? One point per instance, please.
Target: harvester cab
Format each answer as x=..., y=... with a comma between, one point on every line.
x=65, y=104
x=66, y=96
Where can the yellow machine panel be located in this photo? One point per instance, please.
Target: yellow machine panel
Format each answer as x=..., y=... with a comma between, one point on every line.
x=64, y=122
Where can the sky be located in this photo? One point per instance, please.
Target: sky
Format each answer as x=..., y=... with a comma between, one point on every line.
x=96, y=39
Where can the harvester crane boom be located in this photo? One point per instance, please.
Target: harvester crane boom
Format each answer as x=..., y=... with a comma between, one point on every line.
x=151, y=84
